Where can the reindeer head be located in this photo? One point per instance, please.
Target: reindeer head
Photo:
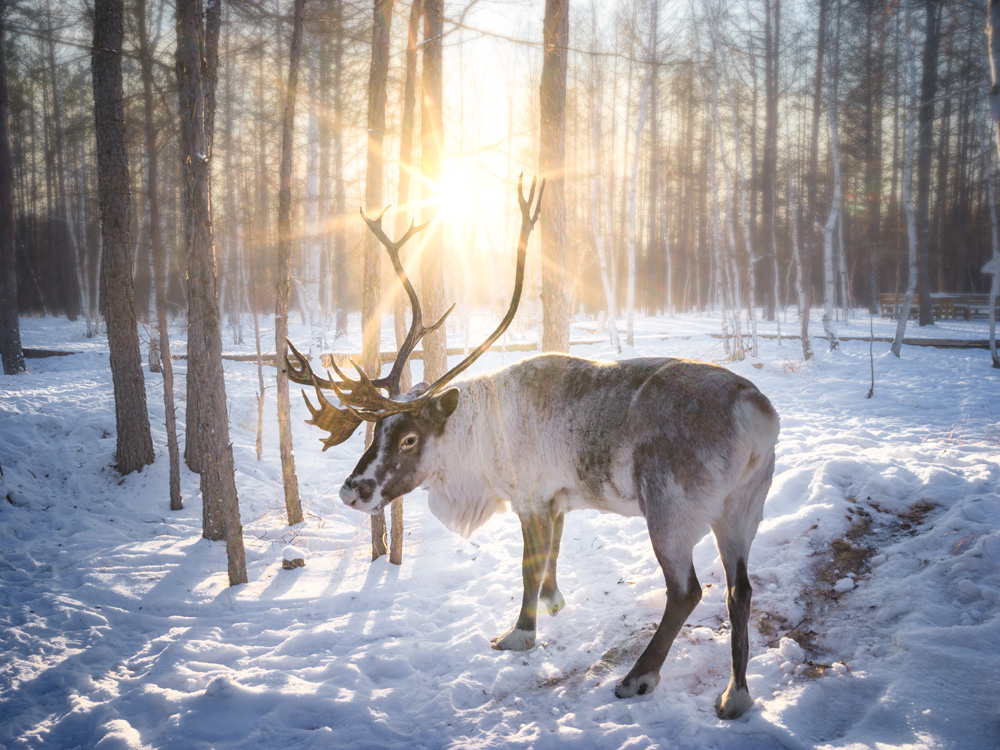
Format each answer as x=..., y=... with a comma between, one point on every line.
x=403, y=450
x=403, y=453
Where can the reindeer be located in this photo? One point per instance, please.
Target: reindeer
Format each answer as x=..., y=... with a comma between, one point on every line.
x=686, y=444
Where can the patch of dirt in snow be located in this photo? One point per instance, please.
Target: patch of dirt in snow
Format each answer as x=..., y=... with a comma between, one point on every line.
x=872, y=529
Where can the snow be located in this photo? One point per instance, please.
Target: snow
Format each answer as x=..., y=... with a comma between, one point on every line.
x=875, y=573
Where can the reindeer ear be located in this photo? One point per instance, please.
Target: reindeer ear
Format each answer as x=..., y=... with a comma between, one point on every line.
x=441, y=407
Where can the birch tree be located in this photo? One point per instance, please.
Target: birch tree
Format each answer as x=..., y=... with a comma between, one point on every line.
x=435, y=345
x=371, y=313
x=993, y=48
x=993, y=267
x=907, y=183
x=293, y=504
x=552, y=162
x=640, y=122
x=596, y=204
x=833, y=220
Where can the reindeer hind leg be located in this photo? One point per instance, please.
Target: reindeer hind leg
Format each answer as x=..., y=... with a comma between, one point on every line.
x=734, y=534
x=673, y=547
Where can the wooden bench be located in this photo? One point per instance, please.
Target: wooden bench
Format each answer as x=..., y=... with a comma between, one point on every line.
x=978, y=306
x=944, y=306
x=891, y=304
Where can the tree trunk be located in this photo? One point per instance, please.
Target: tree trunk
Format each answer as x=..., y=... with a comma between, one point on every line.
x=812, y=181
x=995, y=245
x=159, y=256
x=833, y=220
x=135, y=444
x=993, y=50
x=907, y=186
x=552, y=163
x=405, y=209
x=339, y=188
x=371, y=313
x=220, y=514
x=435, y=344
x=769, y=162
x=595, y=198
x=62, y=166
x=10, y=331
x=208, y=62
x=640, y=123
x=925, y=117
x=993, y=36
x=293, y=504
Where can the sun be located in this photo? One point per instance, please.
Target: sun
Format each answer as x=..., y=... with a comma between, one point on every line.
x=457, y=195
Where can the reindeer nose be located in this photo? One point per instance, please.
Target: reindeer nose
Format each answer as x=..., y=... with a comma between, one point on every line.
x=355, y=490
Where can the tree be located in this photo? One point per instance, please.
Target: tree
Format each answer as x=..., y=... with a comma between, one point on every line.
x=293, y=504
x=208, y=61
x=993, y=50
x=925, y=123
x=10, y=331
x=911, y=222
x=135, y=444
x=220, y=512
x=552, y=165
x=159, y=254
x=812, y=180
x=769, y=162
x=435, y=345
x=371, y=313
x=62, y=178
x=403, y=201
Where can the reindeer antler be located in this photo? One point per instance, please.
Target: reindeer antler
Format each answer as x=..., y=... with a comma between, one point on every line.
x=362, y=398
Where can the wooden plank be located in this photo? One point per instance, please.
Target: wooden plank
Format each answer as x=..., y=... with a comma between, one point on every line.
x=937, y=343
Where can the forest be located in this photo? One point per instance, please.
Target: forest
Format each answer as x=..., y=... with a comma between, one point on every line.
x=778, y=190
x=710, y=152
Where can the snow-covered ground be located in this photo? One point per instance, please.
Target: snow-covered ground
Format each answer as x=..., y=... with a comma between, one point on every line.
x=876, y=571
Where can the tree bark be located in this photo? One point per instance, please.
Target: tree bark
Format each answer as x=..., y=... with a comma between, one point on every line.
x=405, y=209
x=834, y=218
x=220, y=513
x=552, y=165
x=769, y=161
x=135, y=443
x=159, y=256
x=925, y=122
x=371, y=312
x=607, y=280
x=293, y=504
x=10, y=331
x=208, y=63
x=339, y=189
x=812, y=182
x=907, y=187
x=435, y=344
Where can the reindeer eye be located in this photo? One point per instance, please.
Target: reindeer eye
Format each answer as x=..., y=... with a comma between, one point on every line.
x=408, y=442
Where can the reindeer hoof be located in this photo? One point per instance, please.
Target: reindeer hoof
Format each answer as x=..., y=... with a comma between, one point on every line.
x=553, y=601
x=634, y=685
x=733, y=703
x=515, y=640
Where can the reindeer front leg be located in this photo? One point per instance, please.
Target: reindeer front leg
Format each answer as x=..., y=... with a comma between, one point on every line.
x=536, y=528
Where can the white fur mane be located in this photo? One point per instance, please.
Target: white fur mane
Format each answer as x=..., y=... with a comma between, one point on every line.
x=473, y=478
